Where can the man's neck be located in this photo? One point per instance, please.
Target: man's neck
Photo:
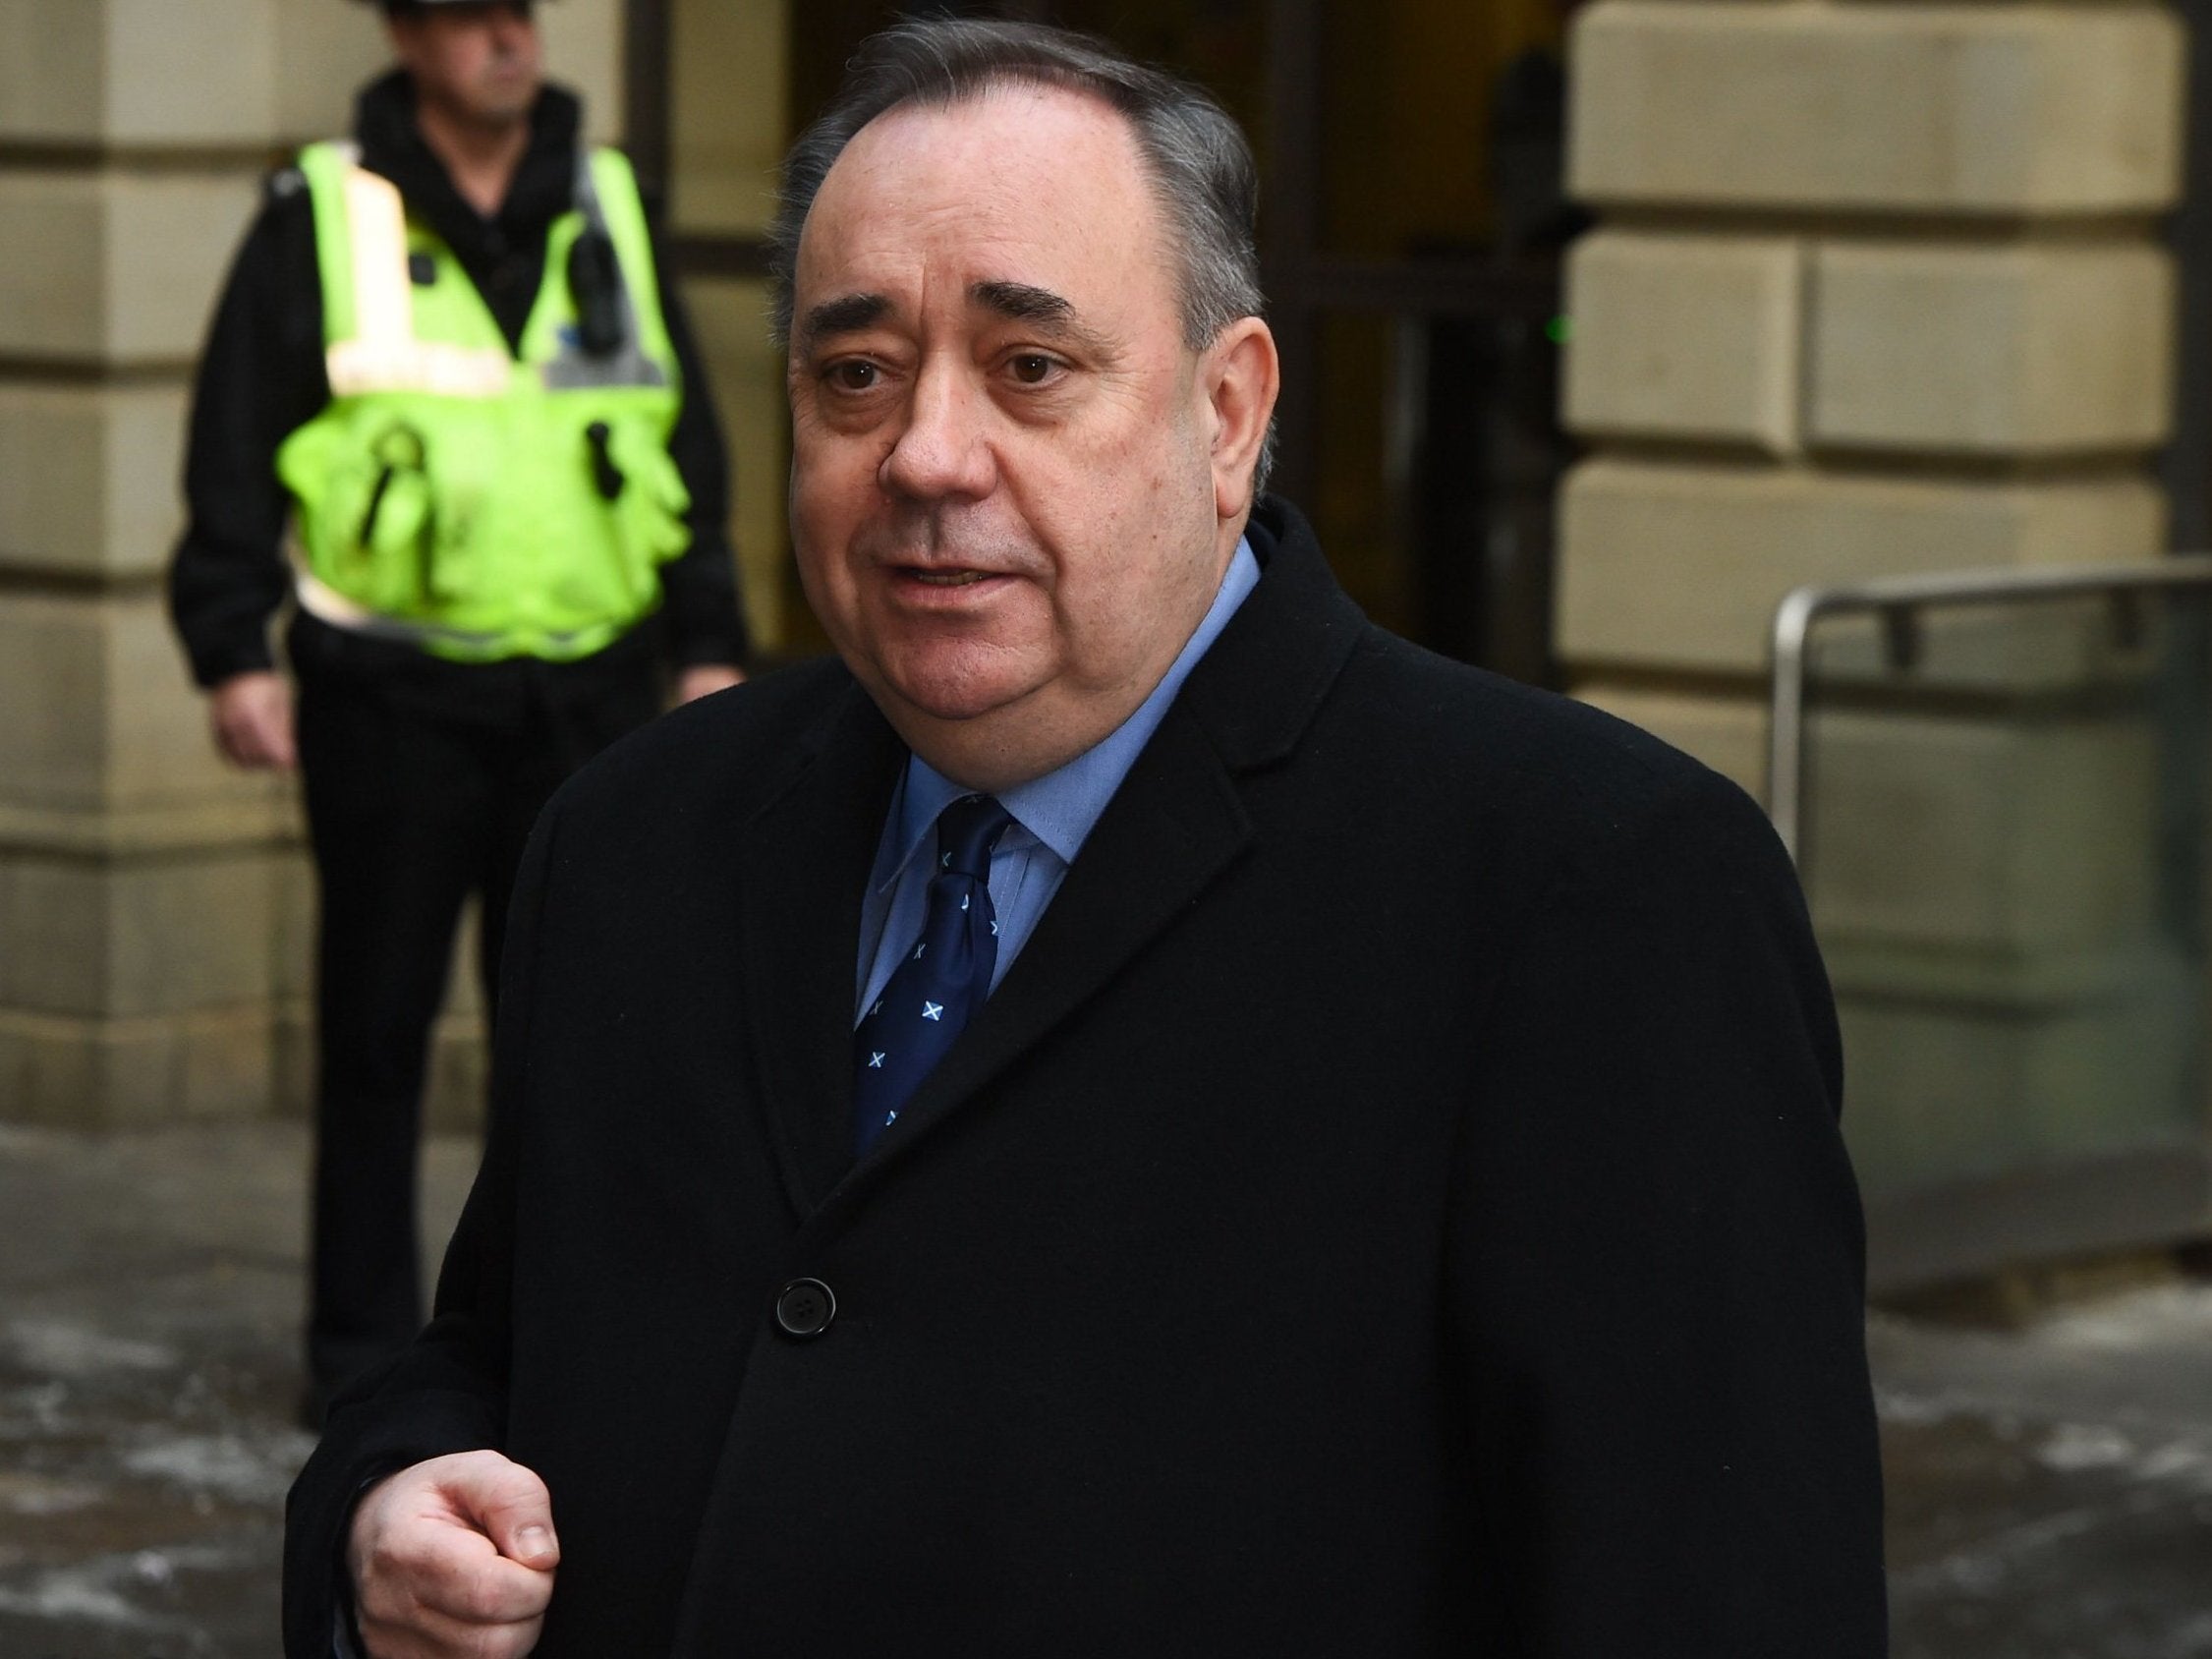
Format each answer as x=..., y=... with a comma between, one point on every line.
x=480, y=159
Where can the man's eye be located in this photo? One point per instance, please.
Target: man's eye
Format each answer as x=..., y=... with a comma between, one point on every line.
x=1031, y=369
x=853, y=375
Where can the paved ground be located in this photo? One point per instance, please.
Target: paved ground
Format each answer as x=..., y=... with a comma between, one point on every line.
x=149, y=1310
x=2050, y=1489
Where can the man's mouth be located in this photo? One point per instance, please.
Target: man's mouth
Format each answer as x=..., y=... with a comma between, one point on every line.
x=948, y=578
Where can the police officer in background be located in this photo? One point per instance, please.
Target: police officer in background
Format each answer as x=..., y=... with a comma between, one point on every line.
x=450, y=408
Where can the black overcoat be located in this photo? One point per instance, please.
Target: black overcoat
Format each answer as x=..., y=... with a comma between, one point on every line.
x=1393, y=1205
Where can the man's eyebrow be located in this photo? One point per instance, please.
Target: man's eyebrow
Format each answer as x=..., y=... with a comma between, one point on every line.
x=1019, y=302
x=842, y=316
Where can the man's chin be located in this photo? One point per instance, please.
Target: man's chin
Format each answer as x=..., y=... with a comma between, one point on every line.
x=954, y=705
x=954, y=691
x=505, y=107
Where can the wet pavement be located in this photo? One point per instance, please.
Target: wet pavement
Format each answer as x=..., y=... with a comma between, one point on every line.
x=149, y=1311
x=2050, y=1489
x=2050, y=1486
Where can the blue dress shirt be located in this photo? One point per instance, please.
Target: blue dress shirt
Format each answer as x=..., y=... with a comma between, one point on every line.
x=1053, y=816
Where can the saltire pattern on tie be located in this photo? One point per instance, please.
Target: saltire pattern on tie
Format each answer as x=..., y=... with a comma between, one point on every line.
x=942, y=981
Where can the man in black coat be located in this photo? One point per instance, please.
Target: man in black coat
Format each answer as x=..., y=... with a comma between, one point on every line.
x=1138, y=1114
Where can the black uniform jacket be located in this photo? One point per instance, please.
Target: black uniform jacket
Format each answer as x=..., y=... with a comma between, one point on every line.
x=261, y=377
x=1392, y=1206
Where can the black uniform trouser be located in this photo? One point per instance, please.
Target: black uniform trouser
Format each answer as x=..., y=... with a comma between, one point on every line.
x=421, y=781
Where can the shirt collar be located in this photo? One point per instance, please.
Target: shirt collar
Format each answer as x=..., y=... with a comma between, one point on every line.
x=1061, y=808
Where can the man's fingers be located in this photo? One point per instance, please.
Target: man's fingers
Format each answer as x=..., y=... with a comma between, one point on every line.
x=269, y=735
x=453, y=1556
x=248, y=746
x=479, y=1587
x=508, y=1503
x=277, y=744
x=251, y=713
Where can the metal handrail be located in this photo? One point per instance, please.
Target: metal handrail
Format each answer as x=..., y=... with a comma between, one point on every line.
x=1896, y=600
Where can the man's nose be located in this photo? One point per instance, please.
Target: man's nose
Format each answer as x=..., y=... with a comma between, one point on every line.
x=944, y=448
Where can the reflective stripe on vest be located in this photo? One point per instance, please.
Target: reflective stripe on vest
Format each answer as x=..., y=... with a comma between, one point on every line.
x=384, y=355
x=327, y=604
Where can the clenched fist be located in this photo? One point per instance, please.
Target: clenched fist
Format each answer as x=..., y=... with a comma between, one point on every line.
x=453, y=1559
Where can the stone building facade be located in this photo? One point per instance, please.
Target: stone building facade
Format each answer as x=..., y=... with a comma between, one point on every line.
x=1880, y=290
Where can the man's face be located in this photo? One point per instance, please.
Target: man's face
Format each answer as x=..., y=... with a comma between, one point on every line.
x=482, y=64
x=1004, y=484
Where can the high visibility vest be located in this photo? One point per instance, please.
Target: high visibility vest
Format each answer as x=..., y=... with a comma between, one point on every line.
x=479, y=502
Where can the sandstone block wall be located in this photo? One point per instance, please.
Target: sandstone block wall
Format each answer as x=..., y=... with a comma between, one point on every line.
x=137, y=877
x=1880, y=290
x=1971, y=111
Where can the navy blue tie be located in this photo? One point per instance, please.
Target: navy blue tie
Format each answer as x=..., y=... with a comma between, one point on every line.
x=944, y=980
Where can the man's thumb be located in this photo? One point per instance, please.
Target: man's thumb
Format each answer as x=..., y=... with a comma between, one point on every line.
x=512, y=1506
x=531, y=1543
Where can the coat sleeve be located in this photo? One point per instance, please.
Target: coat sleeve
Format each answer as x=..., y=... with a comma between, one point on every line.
x=260, y=378
x=449, y=1391
x=1655, y=1267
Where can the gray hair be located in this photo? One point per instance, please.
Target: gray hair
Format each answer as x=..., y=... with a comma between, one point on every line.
x=1201, y=166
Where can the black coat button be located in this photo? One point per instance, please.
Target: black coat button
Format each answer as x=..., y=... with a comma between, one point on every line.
x=804, y=1308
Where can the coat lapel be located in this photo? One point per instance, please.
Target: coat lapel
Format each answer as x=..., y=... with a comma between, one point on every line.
x=804, y=863
x=1175, y=825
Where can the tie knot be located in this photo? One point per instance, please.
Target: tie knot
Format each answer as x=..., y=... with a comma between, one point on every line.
x=967, y=831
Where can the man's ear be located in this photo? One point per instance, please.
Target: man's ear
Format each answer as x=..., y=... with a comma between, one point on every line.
x=1240, y=377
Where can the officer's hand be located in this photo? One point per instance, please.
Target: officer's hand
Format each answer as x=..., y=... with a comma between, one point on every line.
x=702, y=679
x=251, y=717
x=453, y=1558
